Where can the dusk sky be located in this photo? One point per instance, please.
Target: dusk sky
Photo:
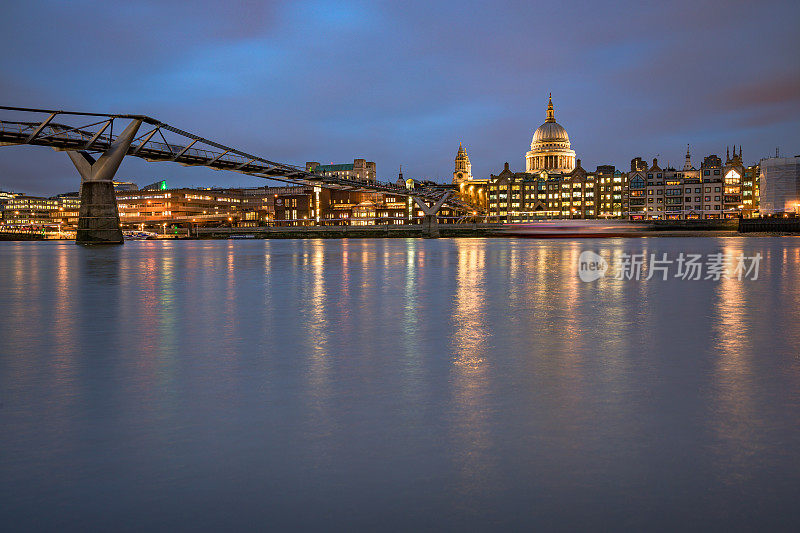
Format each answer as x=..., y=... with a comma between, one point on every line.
x=402, y=83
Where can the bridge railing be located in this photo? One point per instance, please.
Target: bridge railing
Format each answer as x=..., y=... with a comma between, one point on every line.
x=162, y=142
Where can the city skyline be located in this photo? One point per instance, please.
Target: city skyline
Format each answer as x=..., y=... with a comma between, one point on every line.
x=407, y=85
x=350, y=265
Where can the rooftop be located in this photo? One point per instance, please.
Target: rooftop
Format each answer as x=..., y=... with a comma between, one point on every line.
x=334, y=168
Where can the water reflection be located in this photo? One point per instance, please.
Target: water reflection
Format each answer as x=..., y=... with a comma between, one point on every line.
x=736, y=418
x=474, y=381
x=317, y=365
x=318, y=321
x=412, y=322
x=471, y=437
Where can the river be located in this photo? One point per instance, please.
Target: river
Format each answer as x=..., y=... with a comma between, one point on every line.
x=396, y=384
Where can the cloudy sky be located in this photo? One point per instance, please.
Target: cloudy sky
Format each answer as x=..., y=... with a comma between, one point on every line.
x=402, y=83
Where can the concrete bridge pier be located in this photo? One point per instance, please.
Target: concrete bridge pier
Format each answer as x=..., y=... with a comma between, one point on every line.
x=430, y=220
x=430, y=227
x=98, y=221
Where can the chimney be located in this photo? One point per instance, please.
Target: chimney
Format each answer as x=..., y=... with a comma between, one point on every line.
x=506, y=166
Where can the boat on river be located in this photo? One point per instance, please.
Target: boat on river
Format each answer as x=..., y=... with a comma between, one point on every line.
x=132, y=235
x=574, y=229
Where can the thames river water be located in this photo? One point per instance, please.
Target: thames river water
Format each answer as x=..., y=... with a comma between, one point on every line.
x=396, y=384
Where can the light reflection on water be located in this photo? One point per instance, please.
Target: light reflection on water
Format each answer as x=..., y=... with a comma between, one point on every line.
x=471, y=438
x=394, y=383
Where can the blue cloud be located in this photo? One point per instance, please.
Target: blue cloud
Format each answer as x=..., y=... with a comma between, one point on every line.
x=402, y=83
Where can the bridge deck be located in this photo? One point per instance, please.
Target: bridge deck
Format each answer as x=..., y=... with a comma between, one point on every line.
x=186, y=149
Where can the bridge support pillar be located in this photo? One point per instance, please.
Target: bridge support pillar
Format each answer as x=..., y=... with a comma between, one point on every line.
x=430, y=227
x=98, y=220
x=430, y=220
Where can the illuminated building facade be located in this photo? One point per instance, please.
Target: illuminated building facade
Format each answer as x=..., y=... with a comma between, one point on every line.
x=751, y=187
x=146, y=208
x=733, y=173
x=711, y=191
x=671, y=194
x=21, y=211
x=69, y=206
x=612, y=192
x=125, y=186
x=525, y=196
x=359, y=169
x=314, y=206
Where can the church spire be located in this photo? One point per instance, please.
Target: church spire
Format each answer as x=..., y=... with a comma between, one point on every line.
x=551, y=115
x=687, y=165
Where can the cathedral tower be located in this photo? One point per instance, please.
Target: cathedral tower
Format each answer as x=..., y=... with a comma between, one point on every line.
x=463, y=169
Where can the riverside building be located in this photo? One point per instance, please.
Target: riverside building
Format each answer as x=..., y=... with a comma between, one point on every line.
x=525, y=196
x=359, y=169
x=148, y=208
x=733, y=173
x=33, y=212
x=780, y=186
x=656, y=193
x=612, y=192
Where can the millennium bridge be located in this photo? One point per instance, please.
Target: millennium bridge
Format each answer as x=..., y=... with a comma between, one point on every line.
x=97, y=142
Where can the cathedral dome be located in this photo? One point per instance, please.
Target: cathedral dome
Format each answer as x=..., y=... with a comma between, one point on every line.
x=550, y=146
x=550, y=132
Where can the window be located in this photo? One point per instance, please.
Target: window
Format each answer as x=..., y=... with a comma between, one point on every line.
x=732, y=177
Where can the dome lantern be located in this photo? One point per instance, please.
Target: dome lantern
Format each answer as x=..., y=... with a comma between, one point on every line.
x=551, y=114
